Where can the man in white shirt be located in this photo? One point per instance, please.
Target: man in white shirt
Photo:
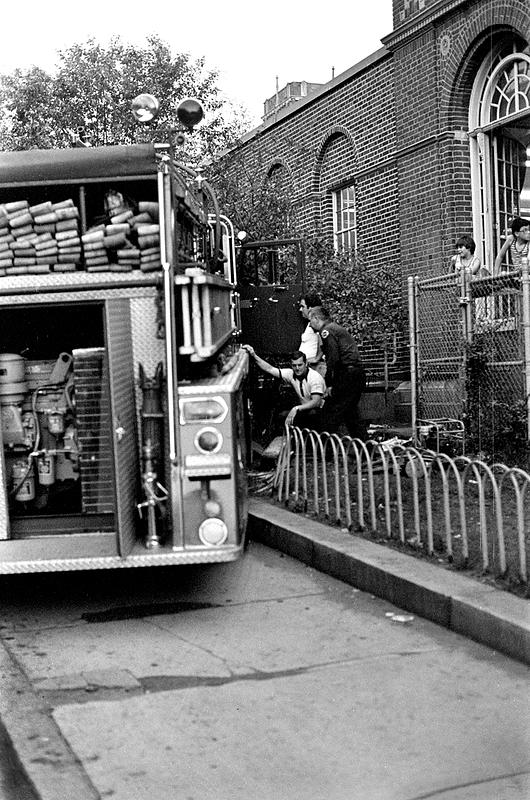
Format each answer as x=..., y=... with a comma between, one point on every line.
x=310, y=343
x=308, y=384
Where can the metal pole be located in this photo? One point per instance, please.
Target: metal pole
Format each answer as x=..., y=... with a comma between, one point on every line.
x=413, y=338
x=525, y=285
x=465, y=301
x=168, y=269
x=467, y=332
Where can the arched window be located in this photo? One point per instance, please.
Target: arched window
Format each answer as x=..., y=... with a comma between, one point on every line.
x=499, y=123
x=507, y=91
x=337, y=190
x=278, y=175
x=276, y=201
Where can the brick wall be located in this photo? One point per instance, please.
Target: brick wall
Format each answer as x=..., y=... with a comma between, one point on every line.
x=396, y=126
x=404, y=11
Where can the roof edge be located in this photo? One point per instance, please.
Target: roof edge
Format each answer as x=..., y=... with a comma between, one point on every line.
x=344, y=77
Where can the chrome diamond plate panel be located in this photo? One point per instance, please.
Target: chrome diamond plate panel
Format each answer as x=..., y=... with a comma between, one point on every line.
x=78, y=286
x=122, y=395
x=147, y=349
x=149, y=559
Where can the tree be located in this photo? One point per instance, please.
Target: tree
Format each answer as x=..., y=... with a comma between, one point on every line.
x=26, y=122
x=89, y=96
x=256, y=202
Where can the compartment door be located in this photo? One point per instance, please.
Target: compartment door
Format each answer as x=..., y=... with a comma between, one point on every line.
x=124, y=423
x=270, y=319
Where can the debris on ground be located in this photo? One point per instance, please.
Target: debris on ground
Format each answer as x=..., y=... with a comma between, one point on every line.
x=404, y=619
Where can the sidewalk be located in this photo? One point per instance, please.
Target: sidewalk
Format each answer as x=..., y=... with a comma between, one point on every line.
x=478, y=611
x=481, y=612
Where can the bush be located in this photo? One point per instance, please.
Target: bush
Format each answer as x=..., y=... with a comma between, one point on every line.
x=368, y=301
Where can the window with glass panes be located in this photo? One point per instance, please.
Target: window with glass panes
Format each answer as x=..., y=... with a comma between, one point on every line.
x=500, y=149
x=345, y=219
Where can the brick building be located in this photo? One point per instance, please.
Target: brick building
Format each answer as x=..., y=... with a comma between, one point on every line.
x=424, y=140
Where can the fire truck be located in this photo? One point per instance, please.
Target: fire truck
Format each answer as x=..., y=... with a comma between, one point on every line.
x=122, y=436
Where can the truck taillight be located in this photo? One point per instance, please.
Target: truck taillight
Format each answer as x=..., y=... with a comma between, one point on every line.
x=202, y=409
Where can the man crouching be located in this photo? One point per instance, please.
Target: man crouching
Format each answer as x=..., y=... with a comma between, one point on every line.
x=308, y=384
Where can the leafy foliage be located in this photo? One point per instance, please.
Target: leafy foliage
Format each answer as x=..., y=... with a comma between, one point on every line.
x=89, y=96
x=256, y=202
x=26, y=122
x=497, y=430
x=258, y=199
x=366, y=301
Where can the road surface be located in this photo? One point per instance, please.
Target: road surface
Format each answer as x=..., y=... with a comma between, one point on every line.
x=261, y=680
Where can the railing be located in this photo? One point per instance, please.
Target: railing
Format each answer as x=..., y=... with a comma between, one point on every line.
x=472, y=513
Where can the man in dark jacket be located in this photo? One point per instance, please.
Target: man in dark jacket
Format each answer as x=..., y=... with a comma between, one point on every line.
x=345, y=376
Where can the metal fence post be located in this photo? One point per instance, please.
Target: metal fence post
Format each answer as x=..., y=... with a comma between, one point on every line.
x=525, y=285
x=413, y=339
x=467, y=332
x=465, y=304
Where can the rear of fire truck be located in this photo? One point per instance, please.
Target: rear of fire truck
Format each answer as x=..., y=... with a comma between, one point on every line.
x=121, y=380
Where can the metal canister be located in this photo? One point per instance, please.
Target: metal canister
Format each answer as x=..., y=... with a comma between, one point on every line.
x=46, y=469
x=28, y=425
x=25, y=477
x=56, y=423
x=12, y=368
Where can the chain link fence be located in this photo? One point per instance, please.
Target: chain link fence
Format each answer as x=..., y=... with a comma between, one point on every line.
x=470, y=361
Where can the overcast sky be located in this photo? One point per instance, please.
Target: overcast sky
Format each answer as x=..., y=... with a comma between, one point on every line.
x=249, y=44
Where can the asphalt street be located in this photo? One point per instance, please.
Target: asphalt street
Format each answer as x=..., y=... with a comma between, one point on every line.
x=259, y=679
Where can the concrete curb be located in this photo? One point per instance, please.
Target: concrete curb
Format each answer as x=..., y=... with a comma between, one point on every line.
x=37, y=744
x=481, y=612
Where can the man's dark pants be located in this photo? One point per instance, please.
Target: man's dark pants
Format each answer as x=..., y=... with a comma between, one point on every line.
x=311, y=419
x=343, y=405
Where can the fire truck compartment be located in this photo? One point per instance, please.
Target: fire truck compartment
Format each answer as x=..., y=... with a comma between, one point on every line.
x=57, y=423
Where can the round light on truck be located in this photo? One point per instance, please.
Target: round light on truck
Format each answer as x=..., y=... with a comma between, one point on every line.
x=213, y=531
x=208, y=440
x=190, y=112
x=145, y=108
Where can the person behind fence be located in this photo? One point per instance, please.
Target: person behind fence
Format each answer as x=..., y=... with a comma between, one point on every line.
x=465, y=258
x=310, y=343
x=345, y=375
x=517, y=245
x=308, y=384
